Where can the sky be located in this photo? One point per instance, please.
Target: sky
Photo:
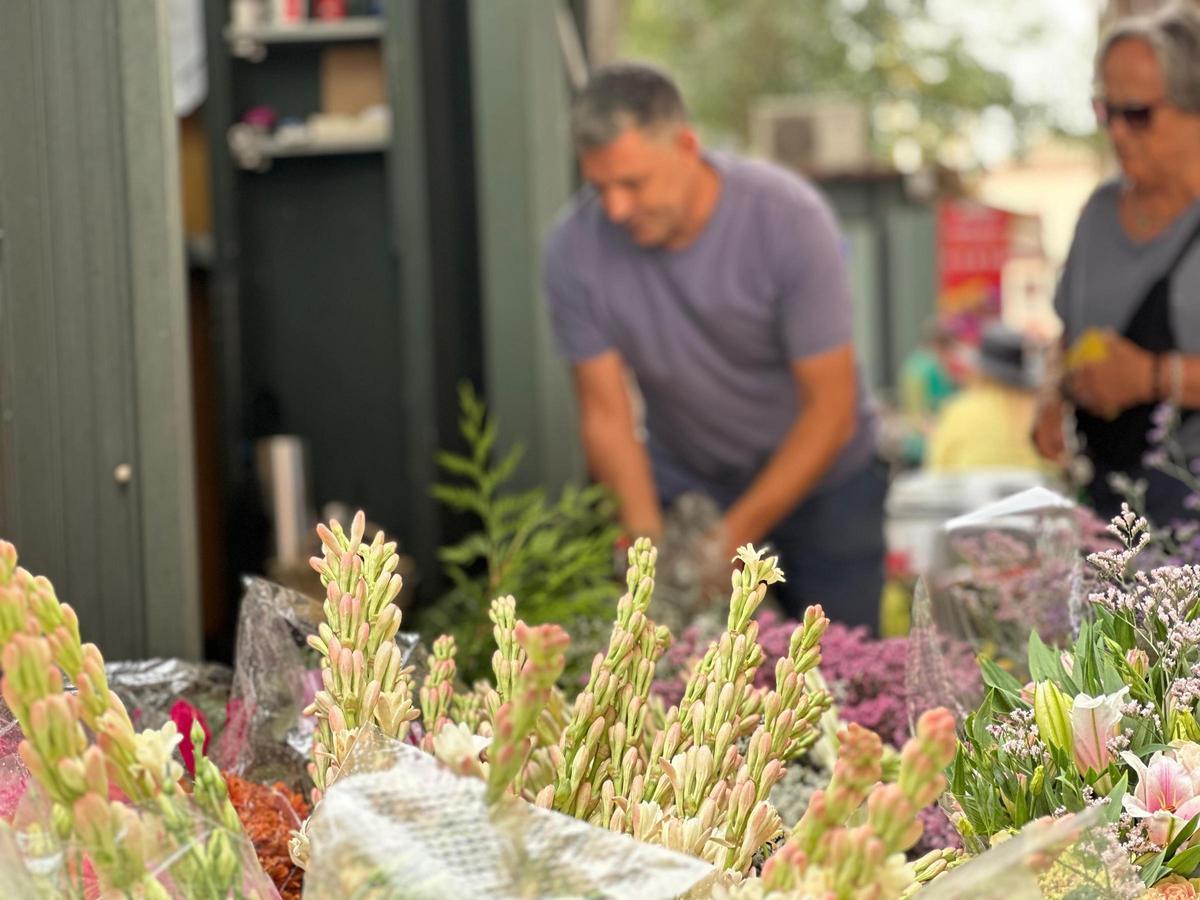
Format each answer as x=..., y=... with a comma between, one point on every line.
x=1052, y=68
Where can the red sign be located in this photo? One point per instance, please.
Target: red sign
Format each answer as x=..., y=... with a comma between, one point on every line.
x=974, y=242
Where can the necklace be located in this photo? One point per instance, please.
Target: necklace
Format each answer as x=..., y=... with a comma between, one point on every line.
x=1148, y=223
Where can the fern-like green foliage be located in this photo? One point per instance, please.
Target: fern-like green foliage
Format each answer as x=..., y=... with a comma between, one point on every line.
x=555, y=557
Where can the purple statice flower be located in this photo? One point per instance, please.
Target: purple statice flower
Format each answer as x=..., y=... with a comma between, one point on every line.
x=939, y=832
x=1162, y=420
x=1154, y=458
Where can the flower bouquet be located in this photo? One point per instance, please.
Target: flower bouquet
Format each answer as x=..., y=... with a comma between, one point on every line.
x=1108, y=723
x=116, y=819
x=606, y=769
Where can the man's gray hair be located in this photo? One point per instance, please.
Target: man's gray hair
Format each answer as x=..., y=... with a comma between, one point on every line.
x=620, y=96
x=1174, y=35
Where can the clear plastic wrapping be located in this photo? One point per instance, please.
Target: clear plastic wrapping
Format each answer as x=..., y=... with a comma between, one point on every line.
x=1072, y=857
x=267, y=737
x=14, y=777
x=36, y=865
x=1019, y=569
x=397, y=824
x=150, y=687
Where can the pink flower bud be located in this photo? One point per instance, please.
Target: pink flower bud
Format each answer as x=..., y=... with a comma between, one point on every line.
x=1138, y=661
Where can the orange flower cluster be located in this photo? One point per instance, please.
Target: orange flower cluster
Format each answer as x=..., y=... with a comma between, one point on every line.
x=269, y=814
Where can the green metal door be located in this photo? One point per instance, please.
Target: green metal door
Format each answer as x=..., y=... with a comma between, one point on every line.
x=96, y=472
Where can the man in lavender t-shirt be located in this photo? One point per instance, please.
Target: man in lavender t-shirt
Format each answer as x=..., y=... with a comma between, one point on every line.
x=720, y=285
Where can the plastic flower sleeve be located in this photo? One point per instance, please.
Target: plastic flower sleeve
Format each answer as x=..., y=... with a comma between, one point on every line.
x=276, y=674
x=14, y=776
x=1072, y=857
x=13, y=872
x=46, y=867
x=935, y=665
x=150, y=687
x=1019, y=562
x=416, y=830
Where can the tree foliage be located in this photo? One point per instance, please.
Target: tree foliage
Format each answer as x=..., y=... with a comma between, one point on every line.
x=921, y=82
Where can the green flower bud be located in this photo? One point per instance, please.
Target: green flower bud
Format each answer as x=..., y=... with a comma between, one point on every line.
x=1052, y=713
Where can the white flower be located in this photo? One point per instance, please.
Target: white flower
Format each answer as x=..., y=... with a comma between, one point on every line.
x=455, y=745
x=154, y=757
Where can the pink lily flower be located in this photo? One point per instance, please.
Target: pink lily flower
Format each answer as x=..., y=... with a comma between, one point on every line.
x=1094, y=722
x=1165, y=795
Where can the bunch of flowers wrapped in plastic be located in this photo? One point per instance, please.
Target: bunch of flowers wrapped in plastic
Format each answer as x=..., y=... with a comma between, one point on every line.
x=695, y=779
x=364, y=680
x=1109, y=723
x=117, y=798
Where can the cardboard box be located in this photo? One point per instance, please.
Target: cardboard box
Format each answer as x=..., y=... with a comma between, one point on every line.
x=352, y=78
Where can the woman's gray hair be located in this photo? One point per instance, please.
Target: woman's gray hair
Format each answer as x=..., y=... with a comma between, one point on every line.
x=620, y=96
x=1174, y=36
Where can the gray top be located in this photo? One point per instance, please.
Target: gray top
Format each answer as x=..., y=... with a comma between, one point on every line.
x=1108, y=274
x=710, y=331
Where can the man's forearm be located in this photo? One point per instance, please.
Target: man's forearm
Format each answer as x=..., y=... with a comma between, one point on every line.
x=619, y=460
x=807, y=452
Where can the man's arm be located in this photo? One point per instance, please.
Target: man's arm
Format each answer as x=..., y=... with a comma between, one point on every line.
x=614, y=454
x=827, y=389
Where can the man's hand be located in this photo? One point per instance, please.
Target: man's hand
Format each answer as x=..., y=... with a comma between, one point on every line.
x=1123, y=378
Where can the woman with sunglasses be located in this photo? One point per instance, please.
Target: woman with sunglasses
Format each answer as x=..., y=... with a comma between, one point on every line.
x=1131, y=284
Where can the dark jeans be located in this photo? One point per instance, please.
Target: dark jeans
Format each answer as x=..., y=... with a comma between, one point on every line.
x=831, y=547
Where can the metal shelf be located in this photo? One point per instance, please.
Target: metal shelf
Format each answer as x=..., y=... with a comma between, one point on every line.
x=257, y=154
x=251, y=43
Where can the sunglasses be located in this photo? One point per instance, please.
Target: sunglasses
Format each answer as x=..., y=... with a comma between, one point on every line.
x=1138, y=116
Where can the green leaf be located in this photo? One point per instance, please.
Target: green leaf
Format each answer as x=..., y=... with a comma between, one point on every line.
x=1112, y=812
x=1184, y=833
x=1152, y=868
x=1004, y=683
x=981, y=720
x=958, y=772
x=1185, y=863
x=504, y=469
x=1145, y=749
x=463, y=499
x=1045, y=664
x=459, y=465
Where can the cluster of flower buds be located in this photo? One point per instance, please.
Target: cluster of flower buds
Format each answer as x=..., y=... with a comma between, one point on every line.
x=721, y=751
x=933, y=865
x=824, y=855
x=509, y=655
x=437, y=692
x=514, y=723
x=363, y=678
x=40, y=636
x=604, y=740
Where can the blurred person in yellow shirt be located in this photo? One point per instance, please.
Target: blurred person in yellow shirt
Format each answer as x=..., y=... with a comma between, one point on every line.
x=988, y=424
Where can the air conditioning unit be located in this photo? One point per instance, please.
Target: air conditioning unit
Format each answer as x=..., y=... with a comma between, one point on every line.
x=812, y=134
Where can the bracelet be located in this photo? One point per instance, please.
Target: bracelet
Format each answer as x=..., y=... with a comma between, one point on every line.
x=1156, y=392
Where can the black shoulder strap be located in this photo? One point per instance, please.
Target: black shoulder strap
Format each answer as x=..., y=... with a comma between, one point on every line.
x=1178, y=258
